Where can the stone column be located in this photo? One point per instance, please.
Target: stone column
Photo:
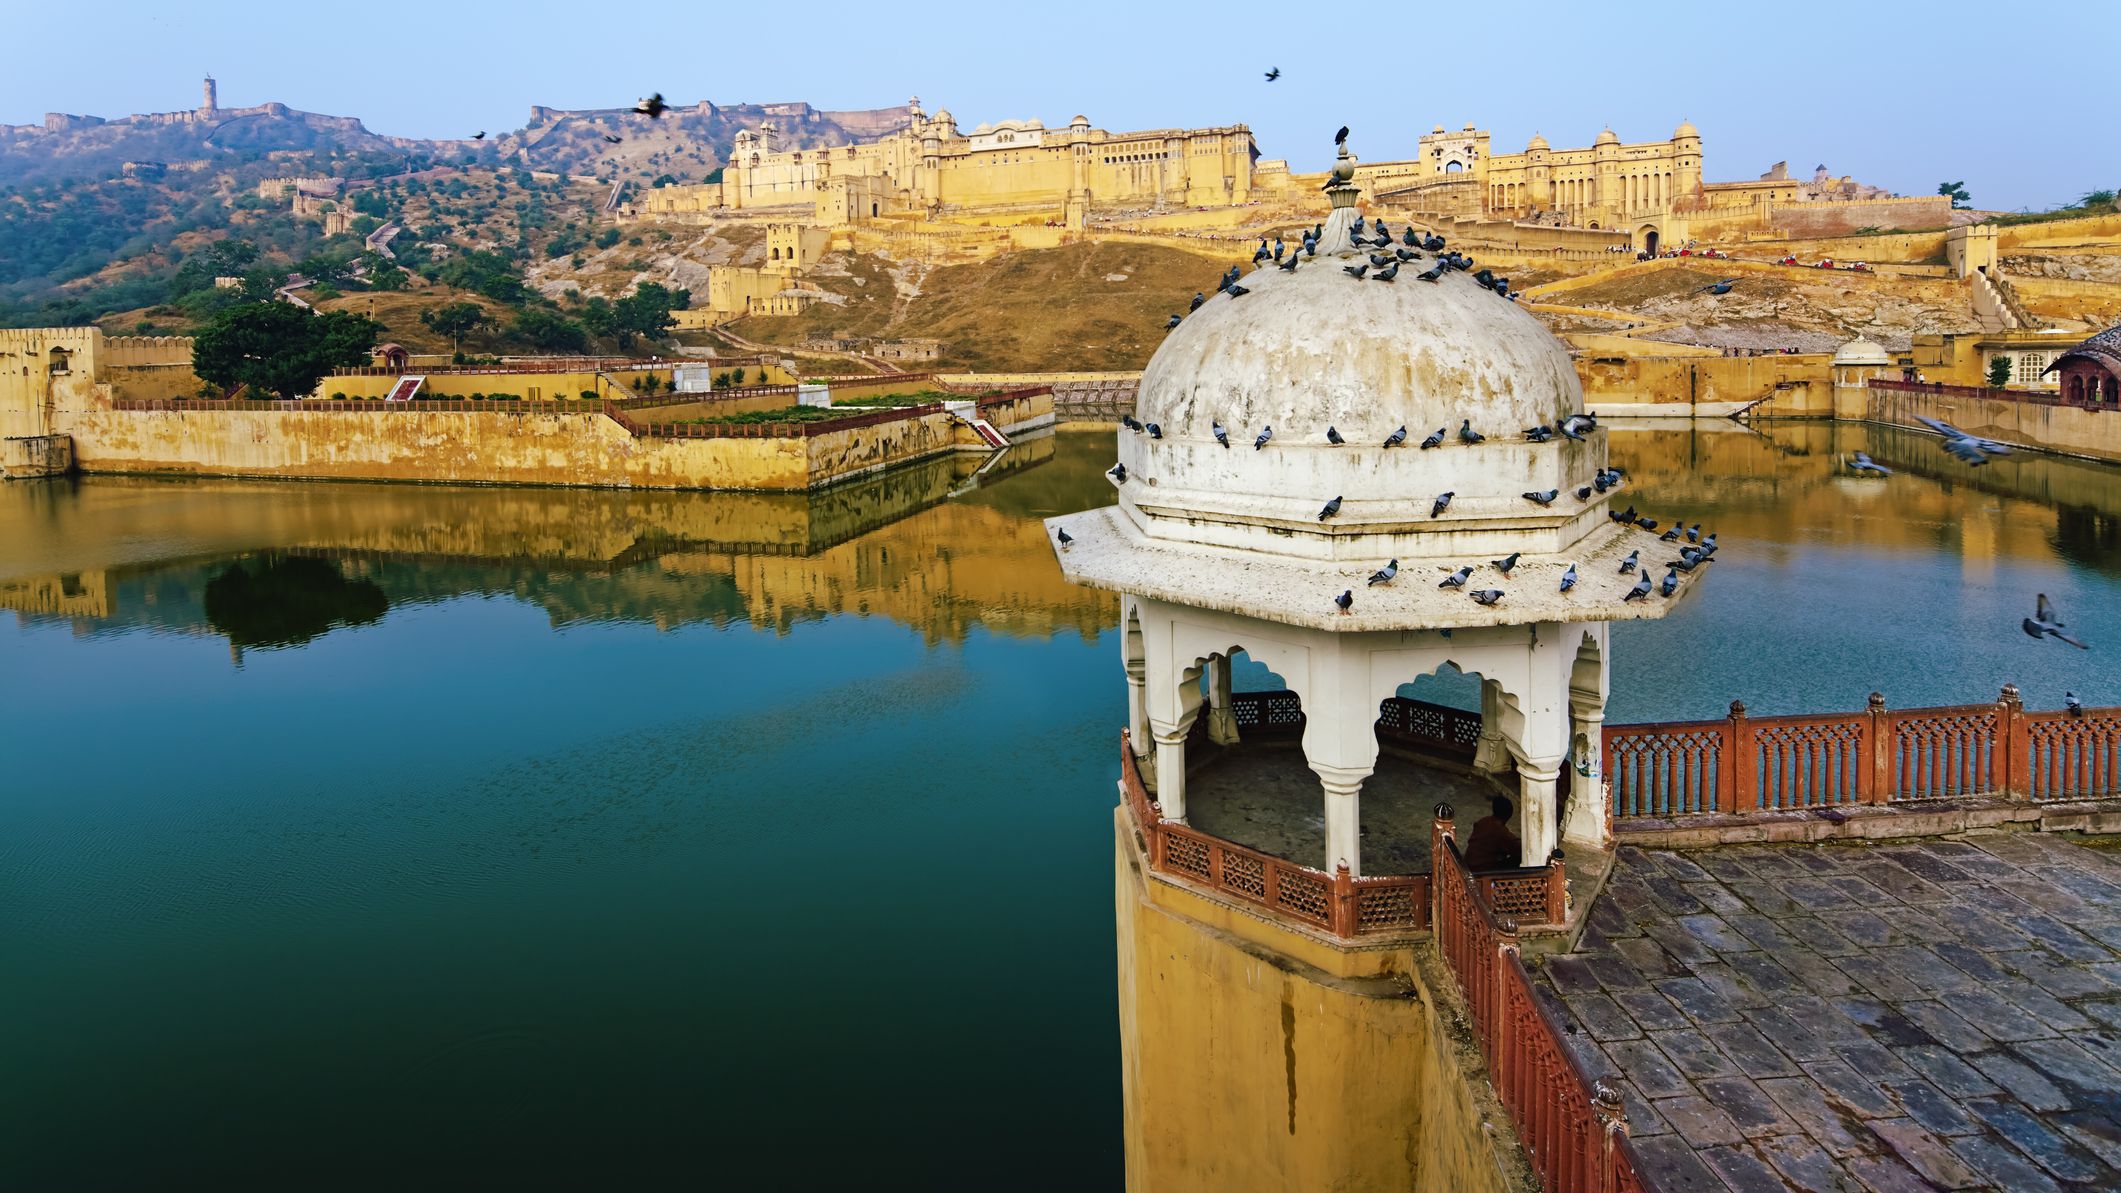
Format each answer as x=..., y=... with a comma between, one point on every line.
x=1138, y=704
x=1343, y=795
x=1171, y=767
x=1535, y=808
x=1222, y=721
x=1491, y=754
x=1589, y=823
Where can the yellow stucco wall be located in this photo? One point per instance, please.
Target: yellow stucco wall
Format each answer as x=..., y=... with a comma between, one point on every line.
x=2071, y=430
x=1244, y=1067
x=527, y=386
x=1684, y=380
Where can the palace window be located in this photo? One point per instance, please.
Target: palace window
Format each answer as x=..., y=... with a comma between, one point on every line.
x=2030, y=366
x=61, y=362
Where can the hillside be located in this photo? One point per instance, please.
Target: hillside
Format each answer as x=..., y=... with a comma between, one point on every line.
x=1079, y=307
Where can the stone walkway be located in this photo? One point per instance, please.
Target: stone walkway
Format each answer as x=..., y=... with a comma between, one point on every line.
x=1266, y=797
x=1908, y=1015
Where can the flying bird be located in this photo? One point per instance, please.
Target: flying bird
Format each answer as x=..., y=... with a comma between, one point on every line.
x=2044, y=624
x=1397, y=438
x=1384, y=574
x=612, y=139
x=1065, y=539
x=1628, y=565
x=1221, y=436
x=479, y=136
x=1486, y=596
x=1722, y=287
x=1505, y=564
x=1543, y=499
x=653, y=107
x=1671, y=582
x=1971, y=448
x=1641, y=589
x=1568, y=578
x=1443, y=502
x=1346, y=599
x=1862, y=465
x=1332, y=509
x=1273, y=74
x=1435, y=440
x=1118, y=472
x=1456, y=579
x=1333, y=437
x=1467, y=435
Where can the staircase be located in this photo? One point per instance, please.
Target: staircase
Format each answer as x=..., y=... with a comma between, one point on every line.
x=404, y=389
x=1998, y=306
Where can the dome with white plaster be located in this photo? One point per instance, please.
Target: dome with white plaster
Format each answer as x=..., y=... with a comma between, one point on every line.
x=1861, y=353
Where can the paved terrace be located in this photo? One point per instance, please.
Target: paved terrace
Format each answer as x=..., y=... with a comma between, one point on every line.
x=1917, y=1015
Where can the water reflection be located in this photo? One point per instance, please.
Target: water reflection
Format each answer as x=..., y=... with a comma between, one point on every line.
x=283, y=601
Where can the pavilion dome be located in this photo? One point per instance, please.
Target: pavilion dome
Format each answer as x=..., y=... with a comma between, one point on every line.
x=1314, y=349
x=1607, y=137
x=1537, y=142
x=1686, y=129
x=1860, y=352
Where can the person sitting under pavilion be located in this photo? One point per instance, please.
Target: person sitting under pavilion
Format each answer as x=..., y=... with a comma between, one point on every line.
x=1493, y=846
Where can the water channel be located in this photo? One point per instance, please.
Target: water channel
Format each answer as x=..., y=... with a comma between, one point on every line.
x=364, y=836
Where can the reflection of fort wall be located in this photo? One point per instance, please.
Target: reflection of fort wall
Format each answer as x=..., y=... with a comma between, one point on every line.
x=73, y=594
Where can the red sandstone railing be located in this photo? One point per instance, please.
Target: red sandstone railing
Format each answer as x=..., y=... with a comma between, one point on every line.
x=1743, y=764
x=1572, y=1126
x=1337, y=903
x=365, y=405
x=788, y=430
x=2030, y=397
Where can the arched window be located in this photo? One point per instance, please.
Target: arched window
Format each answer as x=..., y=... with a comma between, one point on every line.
x=1453, y=167
x=2076, y=389
x=2113, y=389
x=61, y=362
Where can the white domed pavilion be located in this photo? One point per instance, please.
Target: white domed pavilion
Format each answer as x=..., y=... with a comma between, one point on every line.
x=1221, y=551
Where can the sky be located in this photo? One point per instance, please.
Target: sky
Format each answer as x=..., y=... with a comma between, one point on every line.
x=1900, y=95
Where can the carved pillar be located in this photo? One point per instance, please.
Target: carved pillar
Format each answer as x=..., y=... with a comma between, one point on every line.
x=1535, y=807
x=1589, y=814
x=1171, y=767
x=1343, y=796
x=1138, y=717
x=1491, y=754
x=1222, y=721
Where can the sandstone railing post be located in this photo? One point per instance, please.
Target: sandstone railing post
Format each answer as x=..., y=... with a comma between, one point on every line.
x=1878, y=779
x=2009, y=750
x=1503, y=1039
x=1557, y=889
x=1341, y=918
x=1612, y=1118
x=1736, y=784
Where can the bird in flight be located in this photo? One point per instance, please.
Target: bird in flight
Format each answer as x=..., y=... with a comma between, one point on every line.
x=1971, y=448
x=1722, y=287
x=1862, y=465
x=653, y=107
x=612, y=139
x=1273, y=74
x=479, y=136
x=2044, y=624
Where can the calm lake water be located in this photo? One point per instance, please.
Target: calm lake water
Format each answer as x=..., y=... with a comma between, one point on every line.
x=366, y=836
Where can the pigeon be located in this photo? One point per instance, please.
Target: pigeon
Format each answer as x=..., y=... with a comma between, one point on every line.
x=1261, y=253
x=1387, y=273
x=1862, y=465
x=1433, y=244
x=1668, y=535
x=1693, y=533
x=1568, y=578
x=1457, y=579
x=1175, y=321
x=1671, y=582
x=1543, y=499
x=1356, y=271
x=610, y=138
x=2044, y=624
x=1467, y=435
x=1623, y=517
x=1237, y=291
x=1155, y=432
x=1485, y=278
x=1358, y=225
x=1505, y=564
x=653, y=107
x=1384, y=574
x=1443, y=502
x=1486, y=596
x=1435, y=440
x=1413, y=241
x=1646, y=523
x=1433, y=273
x=479, y=136
x=1380, y=260
x=1583, y=494
x=1575, y=426
x=1406, y=255
x=1708, y=545
x=1971, y=448
x=1538, y=434
x=1333, y=437
x=1262, y=440
x=1397, y=438
x=1332, y=509
x=2071, y=703
x=1277, y=248
x=1346, y=599
x=1198, y=298
x=1130, y=422
x=1641, y=589
x=1118, y=473
x=1722, y=287
x=1628, y=565
x=1289, y=266
x=1273, y=74
x=1065, y=539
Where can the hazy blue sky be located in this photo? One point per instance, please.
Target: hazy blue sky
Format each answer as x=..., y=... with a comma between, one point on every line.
x=1900, y=94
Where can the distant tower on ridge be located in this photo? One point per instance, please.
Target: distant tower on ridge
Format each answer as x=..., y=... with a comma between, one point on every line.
x=207, y=98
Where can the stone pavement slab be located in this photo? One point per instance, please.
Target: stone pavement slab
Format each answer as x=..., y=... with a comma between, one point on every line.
x=1917, y=1015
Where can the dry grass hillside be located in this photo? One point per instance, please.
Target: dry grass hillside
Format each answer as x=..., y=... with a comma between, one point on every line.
x=1093, y=306
x=1808, y=309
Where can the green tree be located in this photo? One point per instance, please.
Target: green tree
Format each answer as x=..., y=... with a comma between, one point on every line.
x=549, y=331
x=607, y=238
x=1956, y=192
x=279, y=348
x=2098, y=198
x=455, y=320
x=1999, y=372
x=600, y=317
x=646, y=311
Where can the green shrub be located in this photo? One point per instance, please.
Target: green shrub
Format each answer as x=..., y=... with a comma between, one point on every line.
x=589, y=395
x=338, y=396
